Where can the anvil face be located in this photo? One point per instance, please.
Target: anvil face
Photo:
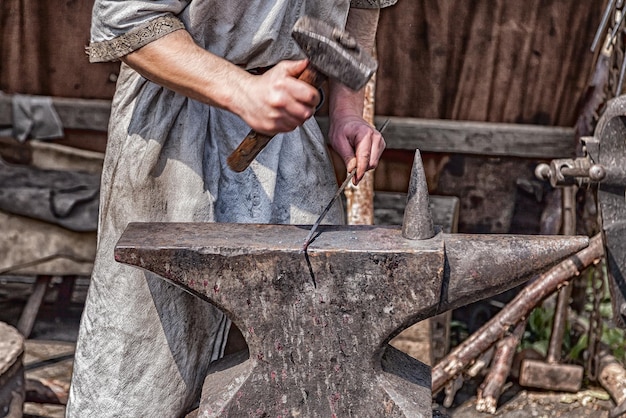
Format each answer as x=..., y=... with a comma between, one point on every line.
x=317, y=323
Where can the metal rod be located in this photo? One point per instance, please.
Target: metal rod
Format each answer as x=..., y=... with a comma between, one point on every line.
x=617, y=26
x=602, y=27
x=341, y=188
x=621, y=77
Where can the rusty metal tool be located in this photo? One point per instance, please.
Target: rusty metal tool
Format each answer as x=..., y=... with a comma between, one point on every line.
x=330, y=204
x=319, y=220
x=603, y=166
x=332, y=53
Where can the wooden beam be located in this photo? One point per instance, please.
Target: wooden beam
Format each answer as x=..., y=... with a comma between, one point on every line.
x=90, y=114
x=478, y=138
x=440, y=136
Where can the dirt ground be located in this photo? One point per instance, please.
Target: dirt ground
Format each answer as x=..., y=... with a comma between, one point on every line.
x=50, y=348
x=517, y=402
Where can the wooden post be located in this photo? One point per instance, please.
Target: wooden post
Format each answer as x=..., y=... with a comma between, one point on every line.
x=29, y=314
x=360, y=199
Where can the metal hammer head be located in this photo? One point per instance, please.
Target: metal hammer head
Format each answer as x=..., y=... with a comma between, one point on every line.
x=334, y=52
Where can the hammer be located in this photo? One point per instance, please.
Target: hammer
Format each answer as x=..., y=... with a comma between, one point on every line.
x=332, y=53
x=551, y=374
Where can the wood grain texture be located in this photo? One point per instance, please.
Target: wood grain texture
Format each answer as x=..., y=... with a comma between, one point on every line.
x=486, y=60
x=42, y=50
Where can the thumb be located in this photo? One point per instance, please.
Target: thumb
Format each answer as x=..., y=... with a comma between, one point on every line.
x=294, y=68
x=351, y=164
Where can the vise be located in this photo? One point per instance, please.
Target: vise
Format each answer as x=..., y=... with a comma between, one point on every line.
x=603, y=166
x=317, y=323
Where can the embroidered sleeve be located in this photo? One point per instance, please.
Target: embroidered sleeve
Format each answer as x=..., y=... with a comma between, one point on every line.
x=371, y=4
x=114, y=49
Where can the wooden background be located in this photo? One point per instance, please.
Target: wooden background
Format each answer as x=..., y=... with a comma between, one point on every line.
x=482, y=60
x=486, y=60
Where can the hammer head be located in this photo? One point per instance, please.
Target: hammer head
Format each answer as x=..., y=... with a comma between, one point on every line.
x=334, y=52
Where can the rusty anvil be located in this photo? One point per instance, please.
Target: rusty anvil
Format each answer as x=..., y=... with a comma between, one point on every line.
x=317, y=324
x=331, y=53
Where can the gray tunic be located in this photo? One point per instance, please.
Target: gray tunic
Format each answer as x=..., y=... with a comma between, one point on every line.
x=144, y=345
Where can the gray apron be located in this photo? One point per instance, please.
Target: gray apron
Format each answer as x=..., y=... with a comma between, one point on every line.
x=144, y=345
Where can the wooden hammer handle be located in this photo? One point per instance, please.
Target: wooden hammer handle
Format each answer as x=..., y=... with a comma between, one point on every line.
x=254, y=142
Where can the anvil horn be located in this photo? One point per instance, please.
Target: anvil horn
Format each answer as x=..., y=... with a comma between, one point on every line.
x=480, y=266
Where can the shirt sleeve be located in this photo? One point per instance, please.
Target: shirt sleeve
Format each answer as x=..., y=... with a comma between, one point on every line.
x=121, y=27
x=371, y=4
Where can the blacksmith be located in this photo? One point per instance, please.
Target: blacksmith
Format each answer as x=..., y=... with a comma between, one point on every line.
x=196, y=75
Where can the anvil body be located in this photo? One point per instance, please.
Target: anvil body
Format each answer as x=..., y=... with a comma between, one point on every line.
x=317, y=323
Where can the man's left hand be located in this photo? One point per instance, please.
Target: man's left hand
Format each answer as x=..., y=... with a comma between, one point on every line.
x=358, y=143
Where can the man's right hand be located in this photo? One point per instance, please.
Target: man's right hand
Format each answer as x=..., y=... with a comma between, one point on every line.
x=270, y=103
x=277, y=101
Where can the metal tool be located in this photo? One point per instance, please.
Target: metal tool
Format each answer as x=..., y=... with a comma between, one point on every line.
x=552, y=374
x=332, y=53
x=603, y=166
x=343, y=186
x=317, y=223
x=603, y=24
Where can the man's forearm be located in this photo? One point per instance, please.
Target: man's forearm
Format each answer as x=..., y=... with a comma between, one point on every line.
x=356, y=141
x=176, y=62
x=361, y=24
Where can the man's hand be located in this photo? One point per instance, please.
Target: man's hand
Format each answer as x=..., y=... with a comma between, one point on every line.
x=277, y=101
x=357, y=142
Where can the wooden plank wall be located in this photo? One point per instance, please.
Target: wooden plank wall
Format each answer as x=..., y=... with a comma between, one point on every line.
x=481, y=60
x=42, y=50
x=486, y=60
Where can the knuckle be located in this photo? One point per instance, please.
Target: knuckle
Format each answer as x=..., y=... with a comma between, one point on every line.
x=276, y=99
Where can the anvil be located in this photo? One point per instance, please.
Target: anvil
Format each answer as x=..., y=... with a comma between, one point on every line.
x=317, y=324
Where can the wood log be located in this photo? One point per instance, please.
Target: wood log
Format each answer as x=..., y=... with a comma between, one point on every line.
x=452, y=387
x=490, y=390
x=11, y=372
x=39, y=392
x=545, y=284
x=29, y=314
x=612, y=377
x=482, y=362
